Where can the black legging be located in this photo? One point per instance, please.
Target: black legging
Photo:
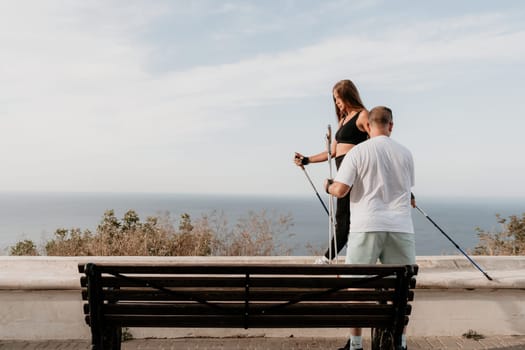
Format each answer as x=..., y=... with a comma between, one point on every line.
x=342, y=218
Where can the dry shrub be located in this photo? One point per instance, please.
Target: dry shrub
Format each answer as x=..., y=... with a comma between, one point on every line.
x=193, y=240
x=70, y=242
x=25, y=247
x=509, y=241
x=159, y=236
x=156, y=236
x=256, y=234
x=314, y=250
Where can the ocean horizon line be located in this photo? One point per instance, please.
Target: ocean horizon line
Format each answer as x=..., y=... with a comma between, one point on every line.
x=37, y=215
x=440, y=197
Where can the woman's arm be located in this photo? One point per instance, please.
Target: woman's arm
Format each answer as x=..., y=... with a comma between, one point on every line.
x=362, y=121
x=301, y=160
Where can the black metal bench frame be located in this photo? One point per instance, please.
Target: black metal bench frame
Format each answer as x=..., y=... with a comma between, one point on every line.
x=247, y=296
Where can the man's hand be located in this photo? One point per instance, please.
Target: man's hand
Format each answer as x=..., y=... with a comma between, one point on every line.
x=327, y=184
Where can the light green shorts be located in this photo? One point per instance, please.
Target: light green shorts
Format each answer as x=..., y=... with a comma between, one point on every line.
x=388, y=247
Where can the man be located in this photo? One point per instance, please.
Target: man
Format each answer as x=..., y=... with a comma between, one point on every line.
x=380, y=174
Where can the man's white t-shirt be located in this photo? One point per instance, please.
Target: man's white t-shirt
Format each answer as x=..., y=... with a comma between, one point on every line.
x=381, y=173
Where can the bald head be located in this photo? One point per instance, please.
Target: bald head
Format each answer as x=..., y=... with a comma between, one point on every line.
x=380, y=121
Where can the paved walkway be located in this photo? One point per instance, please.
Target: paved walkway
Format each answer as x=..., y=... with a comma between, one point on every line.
x=415, y=343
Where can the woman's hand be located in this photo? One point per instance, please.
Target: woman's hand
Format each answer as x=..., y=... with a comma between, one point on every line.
x=300, y=160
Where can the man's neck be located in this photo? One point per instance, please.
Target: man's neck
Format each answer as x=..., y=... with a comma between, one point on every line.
x=376, y=133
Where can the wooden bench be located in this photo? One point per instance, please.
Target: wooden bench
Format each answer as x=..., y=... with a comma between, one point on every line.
x=247, y=296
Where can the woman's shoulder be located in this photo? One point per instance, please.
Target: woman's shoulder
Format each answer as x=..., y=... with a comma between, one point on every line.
x=363, y=113
x=362, y=118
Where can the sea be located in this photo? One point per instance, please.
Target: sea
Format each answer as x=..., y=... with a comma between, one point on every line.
x=36, y=216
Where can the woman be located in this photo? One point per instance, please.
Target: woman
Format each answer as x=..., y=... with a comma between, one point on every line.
x=352, y=120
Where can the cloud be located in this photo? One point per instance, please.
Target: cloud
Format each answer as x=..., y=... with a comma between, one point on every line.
x=393, y=58
x=76, y=85
x=87, y=73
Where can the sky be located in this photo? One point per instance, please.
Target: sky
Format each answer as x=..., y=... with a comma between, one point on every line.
x=207, y=96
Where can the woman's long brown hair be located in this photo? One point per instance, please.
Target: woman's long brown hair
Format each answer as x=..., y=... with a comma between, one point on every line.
x=348, y=92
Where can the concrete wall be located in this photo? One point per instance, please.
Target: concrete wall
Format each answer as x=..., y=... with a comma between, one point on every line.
x=40, y=298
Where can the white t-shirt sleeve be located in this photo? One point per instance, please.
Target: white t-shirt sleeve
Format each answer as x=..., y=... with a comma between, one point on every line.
x=347, y=171
x=412, y=175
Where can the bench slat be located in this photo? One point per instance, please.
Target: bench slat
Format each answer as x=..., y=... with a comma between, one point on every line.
x=180, y=308
x=147, y=295
x=259, y=308
x=299, y=282
x=254, y=295
x=253, y=269
x=254, y=321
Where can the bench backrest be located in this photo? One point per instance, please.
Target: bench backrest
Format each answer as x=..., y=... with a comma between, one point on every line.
x=247, y=295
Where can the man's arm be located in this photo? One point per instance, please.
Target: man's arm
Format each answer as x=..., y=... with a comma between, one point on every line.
x=337, y=189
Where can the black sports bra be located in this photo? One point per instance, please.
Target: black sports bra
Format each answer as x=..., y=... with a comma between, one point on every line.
x=350, y=133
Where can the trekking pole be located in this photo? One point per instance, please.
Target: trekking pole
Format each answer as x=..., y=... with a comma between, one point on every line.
x=317, y=193
x=315, y=190
x=331, y=226
x=450, y=239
